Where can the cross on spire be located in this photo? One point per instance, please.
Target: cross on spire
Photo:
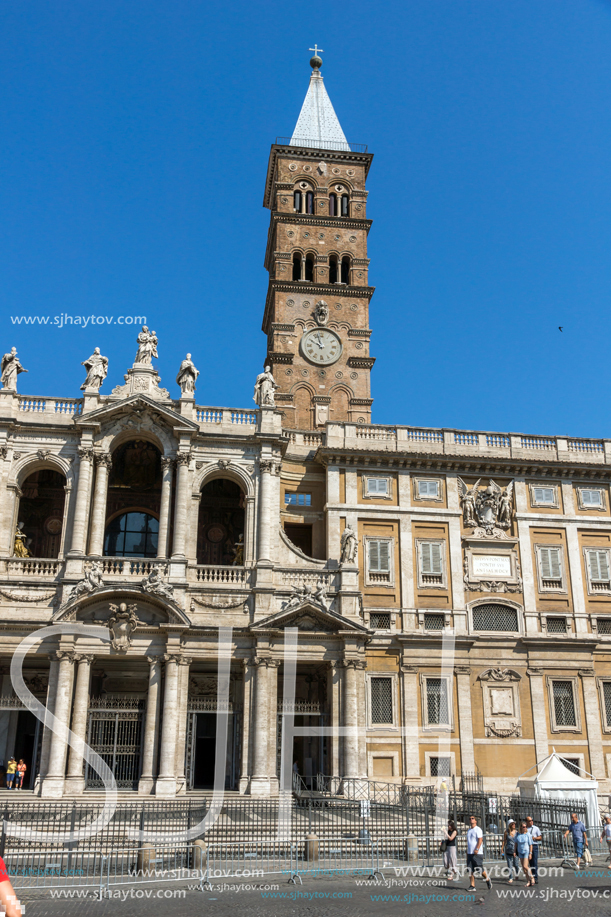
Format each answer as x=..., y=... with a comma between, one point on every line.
x=316, y=50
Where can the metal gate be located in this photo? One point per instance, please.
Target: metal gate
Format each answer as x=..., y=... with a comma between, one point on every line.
x=197, y=705
x=115, y=733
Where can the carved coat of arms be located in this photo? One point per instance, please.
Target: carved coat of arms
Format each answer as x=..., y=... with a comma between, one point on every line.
x=488, y=511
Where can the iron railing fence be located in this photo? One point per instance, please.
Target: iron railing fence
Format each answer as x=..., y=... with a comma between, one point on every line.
x=37, y=825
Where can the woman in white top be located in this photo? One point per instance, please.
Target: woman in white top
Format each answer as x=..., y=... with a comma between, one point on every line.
x=606, y=834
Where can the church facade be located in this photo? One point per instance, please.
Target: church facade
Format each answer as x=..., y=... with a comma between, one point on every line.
x=450, y=590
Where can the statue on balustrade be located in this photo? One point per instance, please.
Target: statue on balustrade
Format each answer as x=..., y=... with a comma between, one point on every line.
x=10, y=367
x=91, y=581
x=154, y=584
x=147, y=346
x=238, y=551
x=21, y=542
x=187, y=376
x=97, y=370
x=265, y=388
x=349, y=546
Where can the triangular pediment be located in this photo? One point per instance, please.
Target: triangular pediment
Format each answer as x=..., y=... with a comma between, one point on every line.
x=134, y=406
x=309, y=617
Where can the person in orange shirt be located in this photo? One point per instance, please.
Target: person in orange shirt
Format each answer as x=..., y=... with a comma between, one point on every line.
x=21, y=769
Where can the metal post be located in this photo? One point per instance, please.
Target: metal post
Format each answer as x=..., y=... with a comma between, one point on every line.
x=3, y=838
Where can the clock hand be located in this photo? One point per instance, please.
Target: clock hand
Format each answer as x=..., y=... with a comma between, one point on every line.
x=320, y=344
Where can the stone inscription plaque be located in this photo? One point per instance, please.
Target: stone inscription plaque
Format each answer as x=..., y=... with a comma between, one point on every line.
x=491, y=565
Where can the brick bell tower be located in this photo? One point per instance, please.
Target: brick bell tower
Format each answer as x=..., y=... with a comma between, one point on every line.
x=317, y=310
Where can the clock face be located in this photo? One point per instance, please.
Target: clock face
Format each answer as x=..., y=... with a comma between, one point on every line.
x=321, y=346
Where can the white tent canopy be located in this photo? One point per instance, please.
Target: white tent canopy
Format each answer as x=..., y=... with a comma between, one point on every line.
x=555, y=781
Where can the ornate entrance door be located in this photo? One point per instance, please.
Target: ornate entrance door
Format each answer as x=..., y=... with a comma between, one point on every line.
x=115, y=733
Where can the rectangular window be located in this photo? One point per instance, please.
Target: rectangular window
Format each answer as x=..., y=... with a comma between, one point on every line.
x=572, y=764
x=494, y=617
x=381, y=701
x=607, y=702
x=544, y=496
x=550, y=567
x=430, y=558
x=439, y=766
x=598, y=567
x=433, y=622
x=556, y=625
x=379, y=620
x=437, y=702
x=294, y=499
x=428, y=489
x=591, y=497
x=564, y=703
x=377, y=486
x=379, y=556
x=603, y=625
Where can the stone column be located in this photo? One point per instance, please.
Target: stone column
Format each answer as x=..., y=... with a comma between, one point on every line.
x=465, y=721
x=351, y=718
x=166, y=781
x=146, y=784
x=181, y=730
x=247, y=712
x=537, y=699
x=167, y=470
x=592, y=712
x=180, y=511
x=83, y=494
x=333, y=741
x=47, y=735
x=75, y=781
x=10, y=511
x=53, y=784
x=98, y=516
x=409, y=720
x=267, y=468
x=260, y=783
x=249, y=532
x=272, y=747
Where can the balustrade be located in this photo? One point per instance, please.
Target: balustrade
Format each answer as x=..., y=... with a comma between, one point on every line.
x=33, y=566
x=232, y=576
x=232, y=416
x=126, y=566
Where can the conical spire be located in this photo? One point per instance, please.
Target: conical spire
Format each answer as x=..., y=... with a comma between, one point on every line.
x=317, y=125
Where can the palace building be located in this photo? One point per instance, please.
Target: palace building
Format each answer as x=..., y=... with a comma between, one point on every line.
x=451, y=588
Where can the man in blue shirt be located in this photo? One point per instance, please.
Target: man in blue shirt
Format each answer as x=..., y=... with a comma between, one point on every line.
x=580, y=838
x=535, y=836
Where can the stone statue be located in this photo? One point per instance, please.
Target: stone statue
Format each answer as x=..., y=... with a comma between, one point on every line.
x=304, y=594
x=321, y=312
x=467, y=498
x=265, y=388
x=147, y=346
x=92, y=581
x=154, y=584
x=122, y=623
x=20, y=549
x=349, y=546
x=10, y=368
x=320, y=596
x=238, y=550
x=505, y=510
x=97, y=370
x=187, y=376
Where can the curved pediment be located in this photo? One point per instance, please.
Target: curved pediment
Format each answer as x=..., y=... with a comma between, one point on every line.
x=310, y=617
x=151, y=610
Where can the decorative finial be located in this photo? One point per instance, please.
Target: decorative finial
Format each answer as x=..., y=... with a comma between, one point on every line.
x=316, y=61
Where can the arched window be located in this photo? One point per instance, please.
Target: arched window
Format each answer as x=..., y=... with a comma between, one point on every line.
x=297, y=201
x=333, y=278
x=309, y=267
x=345, y=206
x=333, y=205
x=309, y=202
x=296, y=266
x=132, y=534
x=41, y=510
x=220, y=527
x=345, y=269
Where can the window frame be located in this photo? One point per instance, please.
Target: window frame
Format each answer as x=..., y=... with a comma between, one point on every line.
x=555, y=502
x=600, y=683
x=443, y=584
x=588, y=507
x=123, y=514
x=552, y=614
x=377, y=496
x=589, y=581
x=554, y=726
x=437, y=727
x=428, y=499
x=391, y=561
x=556, y=590
x=492, y=600
x=296, y=493
x=392, y=677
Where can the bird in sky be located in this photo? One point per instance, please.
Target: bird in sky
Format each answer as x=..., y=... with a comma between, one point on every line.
x=559, y=327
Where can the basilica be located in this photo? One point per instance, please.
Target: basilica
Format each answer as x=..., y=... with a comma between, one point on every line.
x=450, y=590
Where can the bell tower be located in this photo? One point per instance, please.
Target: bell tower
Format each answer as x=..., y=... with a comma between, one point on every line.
x=317, y=310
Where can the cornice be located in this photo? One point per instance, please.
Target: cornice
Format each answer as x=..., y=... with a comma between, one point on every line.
x=313, y=289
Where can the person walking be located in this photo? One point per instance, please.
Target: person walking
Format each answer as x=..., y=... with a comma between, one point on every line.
x=509, y=850
x=21, y=769
x=475, y=853
x=535, y=836
x=524, y=850
x=449, y=851
x=11, y=767
x=580, y=839
x=606, y=835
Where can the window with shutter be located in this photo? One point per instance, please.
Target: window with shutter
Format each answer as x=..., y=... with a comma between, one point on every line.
x=591, y=497
x=379, y=560
x=550, y=567
x=598, y=563
x=431, y=563
x=428, y=489
x=377, y=486
x=545, y=495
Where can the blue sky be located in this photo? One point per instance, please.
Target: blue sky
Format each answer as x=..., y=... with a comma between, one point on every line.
x=134, y=145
